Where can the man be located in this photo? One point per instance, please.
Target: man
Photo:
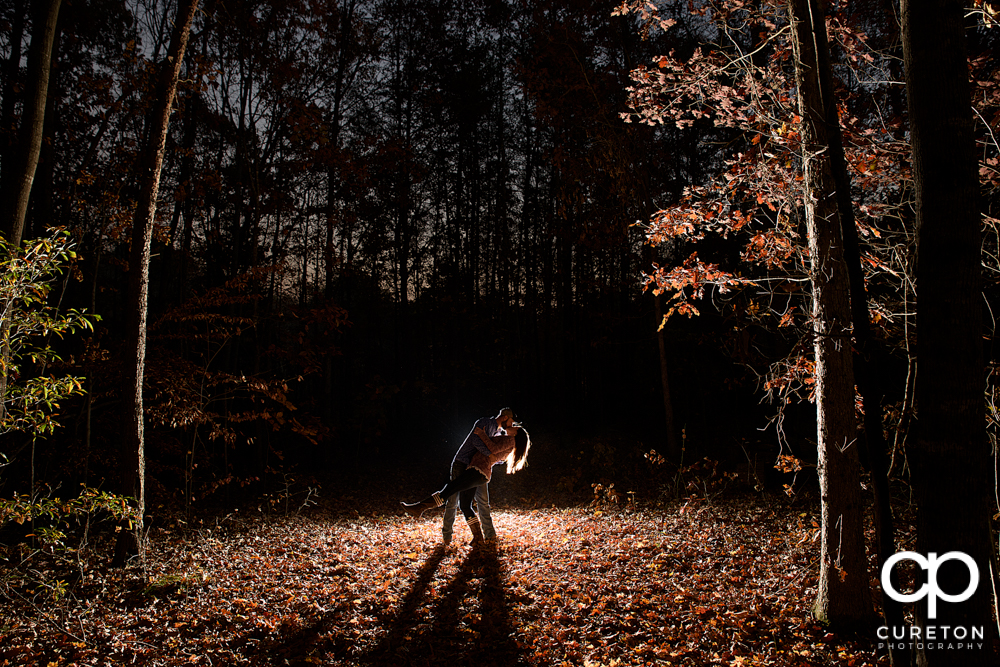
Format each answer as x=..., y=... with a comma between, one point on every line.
x=491, y=427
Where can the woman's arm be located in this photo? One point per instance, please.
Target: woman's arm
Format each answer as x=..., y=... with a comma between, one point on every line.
x=487, y=440
x=503, y=446
x=499, y=444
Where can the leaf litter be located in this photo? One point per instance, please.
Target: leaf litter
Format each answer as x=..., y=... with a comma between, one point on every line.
x=722, y=583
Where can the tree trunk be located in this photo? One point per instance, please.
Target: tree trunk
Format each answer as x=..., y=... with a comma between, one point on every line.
x=866, y=347
x=19, y=167
x=950, y=455
x=844, y=596
x=334, y=166
x=29, y=142
x=673, y=449
x=132, y=459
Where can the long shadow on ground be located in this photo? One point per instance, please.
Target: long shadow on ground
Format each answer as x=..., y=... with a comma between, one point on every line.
x=468, y=623
x=300, y=648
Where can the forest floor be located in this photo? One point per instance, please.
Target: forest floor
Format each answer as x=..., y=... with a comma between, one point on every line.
x=727, y=582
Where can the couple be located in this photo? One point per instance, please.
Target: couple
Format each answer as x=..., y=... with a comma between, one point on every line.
x=491, y=441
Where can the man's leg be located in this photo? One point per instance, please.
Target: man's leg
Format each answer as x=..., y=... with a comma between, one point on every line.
x=450, y=508
x=483, y=509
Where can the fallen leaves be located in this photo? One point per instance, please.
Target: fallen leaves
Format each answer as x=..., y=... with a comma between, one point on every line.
x=722, y=584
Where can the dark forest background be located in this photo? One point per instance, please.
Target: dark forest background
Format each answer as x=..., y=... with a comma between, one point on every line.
x=380, y=220
x=691, y=244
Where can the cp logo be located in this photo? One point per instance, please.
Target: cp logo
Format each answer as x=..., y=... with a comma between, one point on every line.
x=930, y=589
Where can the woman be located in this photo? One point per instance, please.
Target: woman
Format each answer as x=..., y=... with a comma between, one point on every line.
x=511, y=448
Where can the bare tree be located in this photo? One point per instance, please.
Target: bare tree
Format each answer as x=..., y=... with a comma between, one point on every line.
x=133, y=459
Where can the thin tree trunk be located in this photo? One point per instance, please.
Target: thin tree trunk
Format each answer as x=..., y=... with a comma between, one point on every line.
x=844, y=596
x=29, y=142
x=17, y=179
x=673, y=450
x=336, y=118
x=950, y=454
x=133, y=459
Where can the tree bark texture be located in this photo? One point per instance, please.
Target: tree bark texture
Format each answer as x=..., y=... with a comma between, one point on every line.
x=949, y=452
x=133, y=459
x=844, y=595
x=866, y=347
x=29, y=142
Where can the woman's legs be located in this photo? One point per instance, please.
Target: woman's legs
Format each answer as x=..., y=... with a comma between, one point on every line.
x=465, y=499
x=469, y=479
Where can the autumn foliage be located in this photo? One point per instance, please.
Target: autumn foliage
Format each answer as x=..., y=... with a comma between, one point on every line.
x=380, y=219
x=693, y=583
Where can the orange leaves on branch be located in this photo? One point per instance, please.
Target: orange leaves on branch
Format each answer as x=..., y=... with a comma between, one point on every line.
x=790, y=376
x=648, y=12
x=759, y=189
x=788, y=464
x=770, y=248
x=673, y=223
x=688, y=282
